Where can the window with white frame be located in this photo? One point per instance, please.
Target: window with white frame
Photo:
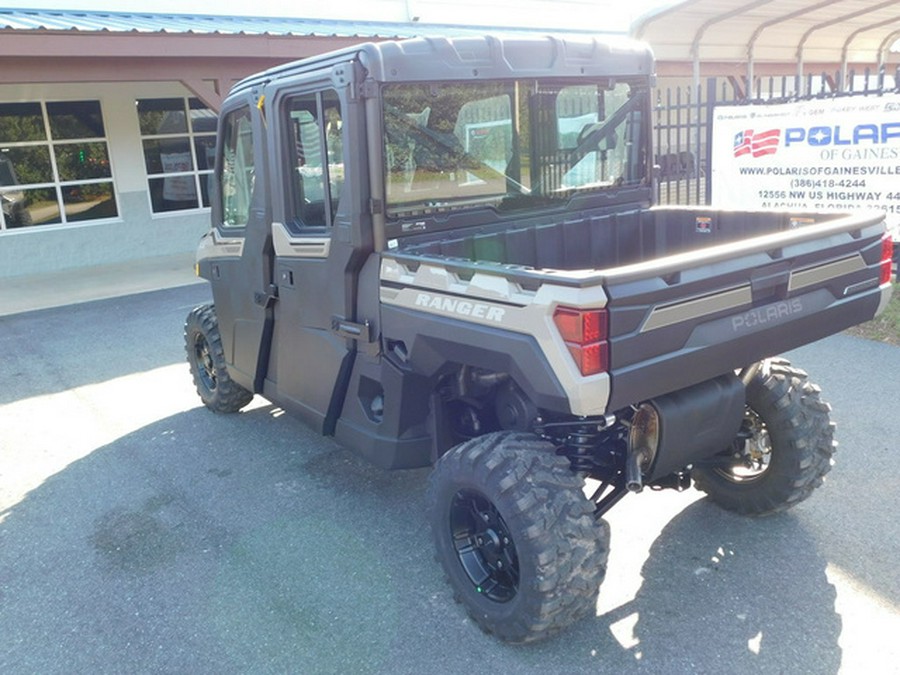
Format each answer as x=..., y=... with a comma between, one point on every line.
x=54, y=164
x=179, y=139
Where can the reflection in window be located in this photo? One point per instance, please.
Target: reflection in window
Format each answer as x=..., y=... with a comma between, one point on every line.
x=82, y=161
x=54, y=164
x=25, y=165
x=21, y=122
x=334, y=147
x=88, y=202
x=179, y=140
x=75, y=119
x=509, y=146
x=237, y=169
x=161, y=116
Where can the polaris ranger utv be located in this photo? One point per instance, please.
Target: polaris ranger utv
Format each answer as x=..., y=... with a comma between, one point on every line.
x=444, y=252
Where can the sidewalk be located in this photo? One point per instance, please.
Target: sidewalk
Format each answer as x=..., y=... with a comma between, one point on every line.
x=42, y=291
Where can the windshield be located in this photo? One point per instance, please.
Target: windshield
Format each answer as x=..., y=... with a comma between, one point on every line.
x=509, y=145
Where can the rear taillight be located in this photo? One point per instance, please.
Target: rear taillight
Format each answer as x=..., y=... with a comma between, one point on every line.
x=585, y=333
x=887, y=255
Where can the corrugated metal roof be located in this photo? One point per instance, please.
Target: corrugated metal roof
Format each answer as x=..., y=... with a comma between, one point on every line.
x=142, y=22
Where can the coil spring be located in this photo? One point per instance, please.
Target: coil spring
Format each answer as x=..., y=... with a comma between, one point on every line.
x=595, y=451
x=579, y=448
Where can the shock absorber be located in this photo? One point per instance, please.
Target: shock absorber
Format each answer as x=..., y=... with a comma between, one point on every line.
x=596, y=449
x=591, y=446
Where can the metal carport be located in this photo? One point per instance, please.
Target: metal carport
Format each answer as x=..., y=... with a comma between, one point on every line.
x=772, y=37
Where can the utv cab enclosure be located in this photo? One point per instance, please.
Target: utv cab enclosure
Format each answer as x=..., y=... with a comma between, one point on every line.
x=444, y=252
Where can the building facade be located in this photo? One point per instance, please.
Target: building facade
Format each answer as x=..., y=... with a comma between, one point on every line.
x=101, y=172
x=108, y=120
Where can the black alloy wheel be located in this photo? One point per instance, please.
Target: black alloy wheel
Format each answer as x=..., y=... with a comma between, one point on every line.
x=518, y=540
x=484, y=546
x=206, y=357
x=206, y=370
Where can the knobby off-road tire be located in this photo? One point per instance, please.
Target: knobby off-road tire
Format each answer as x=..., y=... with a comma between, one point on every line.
x=516, y=536
x=790, y=449
x=206, y=357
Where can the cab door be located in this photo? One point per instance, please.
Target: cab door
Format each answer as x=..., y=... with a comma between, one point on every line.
x=313, y=266
x=236, y=256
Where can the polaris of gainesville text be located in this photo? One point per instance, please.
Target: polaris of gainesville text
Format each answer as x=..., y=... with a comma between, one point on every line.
x=837, y=142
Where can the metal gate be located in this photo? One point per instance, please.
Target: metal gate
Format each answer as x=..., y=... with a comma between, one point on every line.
x=682, y=129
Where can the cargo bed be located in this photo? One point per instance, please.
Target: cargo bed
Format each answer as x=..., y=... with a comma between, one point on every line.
x=691, y=292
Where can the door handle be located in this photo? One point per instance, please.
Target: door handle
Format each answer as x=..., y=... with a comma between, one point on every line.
x=351, y=330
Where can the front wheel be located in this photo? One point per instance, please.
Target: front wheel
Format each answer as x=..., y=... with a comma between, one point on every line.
x=516, y=536
x=784, y=450
x=206, y=357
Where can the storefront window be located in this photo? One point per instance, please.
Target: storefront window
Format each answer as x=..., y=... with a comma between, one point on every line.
x=179, y=141
x=54, y=164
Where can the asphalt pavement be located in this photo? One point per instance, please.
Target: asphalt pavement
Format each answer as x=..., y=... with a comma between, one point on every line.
x=140, y=533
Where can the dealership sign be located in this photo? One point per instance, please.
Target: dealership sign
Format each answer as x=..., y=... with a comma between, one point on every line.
x=823, y=155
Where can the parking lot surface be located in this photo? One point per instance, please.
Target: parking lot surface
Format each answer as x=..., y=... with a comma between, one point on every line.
x=141, y=533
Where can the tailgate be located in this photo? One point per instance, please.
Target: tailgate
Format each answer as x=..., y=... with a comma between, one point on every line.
x=686, y=318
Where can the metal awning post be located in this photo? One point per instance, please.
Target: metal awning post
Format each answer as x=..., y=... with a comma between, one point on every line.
x=696, y=66
x=750, y=79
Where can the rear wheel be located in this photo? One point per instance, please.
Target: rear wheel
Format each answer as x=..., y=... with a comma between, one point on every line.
x=516, y=536
x=784, y=450
x=206, y=357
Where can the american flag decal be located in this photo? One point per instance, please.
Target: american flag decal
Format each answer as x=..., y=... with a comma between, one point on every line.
x=756, y=144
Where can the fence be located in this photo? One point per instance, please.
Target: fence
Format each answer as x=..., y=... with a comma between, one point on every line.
x=682, y=121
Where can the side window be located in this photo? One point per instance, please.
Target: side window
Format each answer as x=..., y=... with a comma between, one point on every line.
x=237, y=169
x=316, y=156
x=334, y=146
